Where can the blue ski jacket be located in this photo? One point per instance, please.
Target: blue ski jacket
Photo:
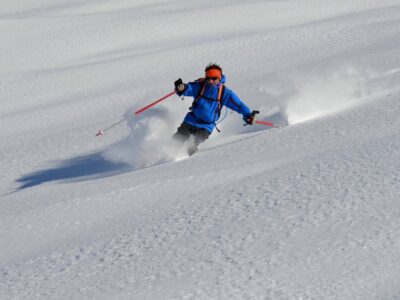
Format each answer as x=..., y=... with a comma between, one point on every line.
x=205, y=113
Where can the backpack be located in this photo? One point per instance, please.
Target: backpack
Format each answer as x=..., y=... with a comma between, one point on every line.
x=221, y=91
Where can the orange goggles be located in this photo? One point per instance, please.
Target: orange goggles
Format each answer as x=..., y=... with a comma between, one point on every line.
x=214, y=73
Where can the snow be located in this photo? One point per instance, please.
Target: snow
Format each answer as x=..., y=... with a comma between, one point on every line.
x=305, y=211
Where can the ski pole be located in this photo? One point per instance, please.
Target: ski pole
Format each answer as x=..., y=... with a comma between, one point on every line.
x=154, y=103
x=102, y=131
x=264, y=123
x=253, y=119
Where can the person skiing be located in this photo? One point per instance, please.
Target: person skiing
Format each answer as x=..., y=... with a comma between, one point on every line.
x=210, y=95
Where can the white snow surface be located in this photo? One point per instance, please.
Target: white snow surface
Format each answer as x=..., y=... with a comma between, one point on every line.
x=310, y=210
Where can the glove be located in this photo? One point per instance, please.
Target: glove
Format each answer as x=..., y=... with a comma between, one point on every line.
x=249, y=118
x=180, y=87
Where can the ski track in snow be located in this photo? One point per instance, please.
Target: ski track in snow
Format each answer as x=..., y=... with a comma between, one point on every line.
x=305, y=211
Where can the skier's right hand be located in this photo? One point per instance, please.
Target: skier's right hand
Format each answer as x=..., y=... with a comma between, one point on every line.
x=180, y=87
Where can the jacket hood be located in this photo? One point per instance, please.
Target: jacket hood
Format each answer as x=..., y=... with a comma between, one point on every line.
x=223, y=79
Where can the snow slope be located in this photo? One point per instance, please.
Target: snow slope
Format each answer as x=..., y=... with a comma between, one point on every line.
x=307, y=211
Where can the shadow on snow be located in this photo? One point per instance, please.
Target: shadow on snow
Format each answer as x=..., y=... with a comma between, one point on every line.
x=80, y=168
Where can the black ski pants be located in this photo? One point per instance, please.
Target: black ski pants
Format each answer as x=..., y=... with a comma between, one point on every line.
x=185, y=131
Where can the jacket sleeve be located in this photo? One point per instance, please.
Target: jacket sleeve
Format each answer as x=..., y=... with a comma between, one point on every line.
x=192, y=90
x=233, y=102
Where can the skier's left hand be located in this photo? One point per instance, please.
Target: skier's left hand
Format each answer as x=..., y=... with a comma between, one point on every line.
x=249, y=118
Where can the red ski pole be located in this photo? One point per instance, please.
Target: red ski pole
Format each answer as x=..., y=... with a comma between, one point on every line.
x=154, y=103
x=265, y=123
x=102, y=131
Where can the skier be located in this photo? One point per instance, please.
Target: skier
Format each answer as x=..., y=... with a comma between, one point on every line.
x=210, y=95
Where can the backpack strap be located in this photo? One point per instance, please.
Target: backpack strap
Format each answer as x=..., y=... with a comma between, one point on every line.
x=219, y=99
x=221, y=92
